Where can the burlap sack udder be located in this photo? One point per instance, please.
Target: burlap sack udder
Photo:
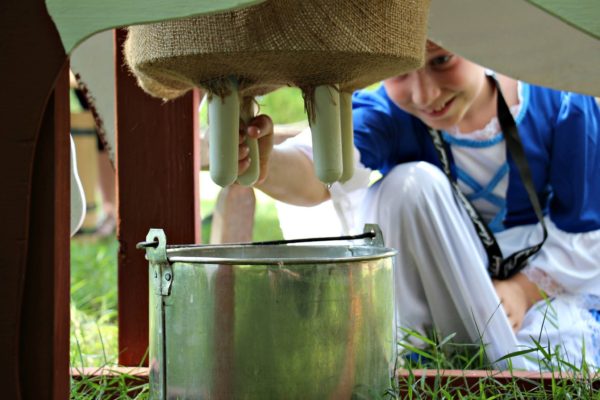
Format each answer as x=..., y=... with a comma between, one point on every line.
x=303, y=43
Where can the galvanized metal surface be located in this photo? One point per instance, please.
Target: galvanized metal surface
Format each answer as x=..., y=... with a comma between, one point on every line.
x=277, y=330
x=157, y=257
x=277, y=255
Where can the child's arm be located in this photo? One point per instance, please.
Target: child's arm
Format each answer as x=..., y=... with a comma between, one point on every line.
x=517, y=295
x=286, y=173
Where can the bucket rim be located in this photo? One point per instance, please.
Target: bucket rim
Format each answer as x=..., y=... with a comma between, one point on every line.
x=174, y=255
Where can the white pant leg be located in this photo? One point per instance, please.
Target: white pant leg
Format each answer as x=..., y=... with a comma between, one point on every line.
x=440, y=275
x=565, y=325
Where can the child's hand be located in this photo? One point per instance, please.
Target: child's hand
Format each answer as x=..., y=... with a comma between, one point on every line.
x=517, y=295
x=261, y=128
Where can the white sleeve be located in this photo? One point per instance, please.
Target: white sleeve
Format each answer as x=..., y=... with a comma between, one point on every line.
x=302, y=141
x=567, y=262
x=346, y=197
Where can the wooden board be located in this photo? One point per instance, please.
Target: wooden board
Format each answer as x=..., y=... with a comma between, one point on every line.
x=45, y=322
x=32, y=56
x=427, y=380
x=158, y=169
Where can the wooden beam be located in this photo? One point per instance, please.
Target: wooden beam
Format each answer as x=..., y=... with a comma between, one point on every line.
x=467, y=381
x=427, y=380
x=157, y=162
x=35, y=226
x=45, y=321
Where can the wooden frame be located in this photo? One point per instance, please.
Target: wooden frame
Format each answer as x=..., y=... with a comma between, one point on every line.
x=428, y=380
x=158, y=166
x=34, y=205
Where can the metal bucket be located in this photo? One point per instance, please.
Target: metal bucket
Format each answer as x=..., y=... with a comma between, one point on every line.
x=271, y=321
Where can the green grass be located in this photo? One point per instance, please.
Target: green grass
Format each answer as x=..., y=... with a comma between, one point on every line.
x=93, y=302
x=443, y=353
x=284, y=106
x=115, y=386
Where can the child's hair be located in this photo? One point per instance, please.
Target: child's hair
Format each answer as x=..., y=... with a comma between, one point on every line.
x=430, y=46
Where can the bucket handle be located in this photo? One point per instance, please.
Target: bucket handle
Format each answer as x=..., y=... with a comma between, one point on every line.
x=372, y=234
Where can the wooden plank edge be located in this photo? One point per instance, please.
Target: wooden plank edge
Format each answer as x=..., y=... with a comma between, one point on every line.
x=90, y=372
x=471, y=375
x=471, y=378
x=138, y=372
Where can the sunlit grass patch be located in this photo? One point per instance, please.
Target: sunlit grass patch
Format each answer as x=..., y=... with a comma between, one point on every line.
x=93, y=302
x=108, y=383
x=440, y=369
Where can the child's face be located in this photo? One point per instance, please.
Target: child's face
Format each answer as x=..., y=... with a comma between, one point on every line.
x=443, y=93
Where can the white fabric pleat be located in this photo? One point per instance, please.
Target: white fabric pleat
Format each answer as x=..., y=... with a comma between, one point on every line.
x=441, y=278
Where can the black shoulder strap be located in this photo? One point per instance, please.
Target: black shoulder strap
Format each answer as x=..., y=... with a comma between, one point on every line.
x=498, y=267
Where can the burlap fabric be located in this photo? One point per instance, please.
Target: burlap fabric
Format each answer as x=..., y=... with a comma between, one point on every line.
x=301, y=43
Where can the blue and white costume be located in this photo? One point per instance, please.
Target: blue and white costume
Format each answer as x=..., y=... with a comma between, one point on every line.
x=561, y=138
x=441, y=278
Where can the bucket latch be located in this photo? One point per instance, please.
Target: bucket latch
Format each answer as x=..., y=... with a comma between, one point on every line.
x=156, y=253
x=376, y=237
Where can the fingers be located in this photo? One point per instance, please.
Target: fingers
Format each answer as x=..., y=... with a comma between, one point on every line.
x=512, y=302
x=265, y=146
x=514, y=317
x=243, y=157
x=512, y=320
x=509, y=314
x=517, y=325
x=261, y=128
x=515, y=321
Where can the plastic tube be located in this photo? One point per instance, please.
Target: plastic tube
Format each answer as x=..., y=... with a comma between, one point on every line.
x=326, y=134
x=224, y=120
x=347, y=136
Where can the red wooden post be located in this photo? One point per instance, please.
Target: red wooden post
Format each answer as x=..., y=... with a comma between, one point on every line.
x=34, y=205
x=158, y=164
x=44, y=350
